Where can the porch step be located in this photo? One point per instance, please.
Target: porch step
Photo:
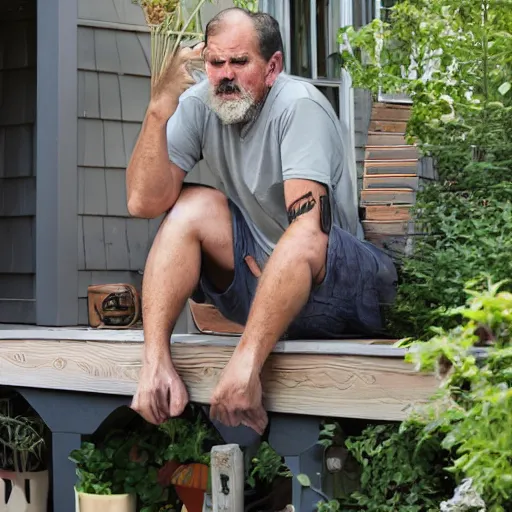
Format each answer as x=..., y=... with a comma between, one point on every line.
x=389, y=196
x=383, y=153
x=386, y=181
x=386, y=139
x=388, y=213
x=389, y=227
x=388, y=126
x=396, y=246
x=390, y=112
x=376, y=167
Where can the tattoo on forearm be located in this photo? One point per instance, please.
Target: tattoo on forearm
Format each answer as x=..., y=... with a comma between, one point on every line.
x=301, y=206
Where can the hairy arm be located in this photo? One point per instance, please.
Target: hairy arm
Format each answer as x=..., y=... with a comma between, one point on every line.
x=153, y=182
x=296, y=264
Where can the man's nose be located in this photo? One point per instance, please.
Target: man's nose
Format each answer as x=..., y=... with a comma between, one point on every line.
x=228, y=73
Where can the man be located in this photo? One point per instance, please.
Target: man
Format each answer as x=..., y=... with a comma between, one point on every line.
x=279, y=249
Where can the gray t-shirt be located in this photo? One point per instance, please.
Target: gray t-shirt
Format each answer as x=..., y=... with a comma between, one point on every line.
x=296, y=135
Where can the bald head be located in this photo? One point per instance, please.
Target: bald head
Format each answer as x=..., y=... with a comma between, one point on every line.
x=263, y=26
x=243, y=57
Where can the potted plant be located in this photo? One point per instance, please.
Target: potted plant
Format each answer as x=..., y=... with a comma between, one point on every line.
x=24, y=479
x=98, y=489
x=188, y=455
x=122, y=473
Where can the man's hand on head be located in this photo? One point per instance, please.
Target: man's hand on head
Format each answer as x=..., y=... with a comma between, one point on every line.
x=175, y=78
x=237, y=399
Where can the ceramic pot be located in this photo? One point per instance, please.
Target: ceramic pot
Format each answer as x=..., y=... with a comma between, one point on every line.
x=28, y=491
x=105, y=503
x=191, y=482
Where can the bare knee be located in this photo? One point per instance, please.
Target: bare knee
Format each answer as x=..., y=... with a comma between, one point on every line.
x=200, y=211
x=202, y=215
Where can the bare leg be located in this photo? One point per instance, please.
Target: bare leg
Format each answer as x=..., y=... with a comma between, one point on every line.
x=197, y=228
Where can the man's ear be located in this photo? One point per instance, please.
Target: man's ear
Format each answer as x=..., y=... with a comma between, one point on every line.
x=274, y=67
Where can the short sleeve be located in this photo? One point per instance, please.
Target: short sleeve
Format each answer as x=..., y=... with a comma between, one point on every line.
x=310, y=143
x=185, y=133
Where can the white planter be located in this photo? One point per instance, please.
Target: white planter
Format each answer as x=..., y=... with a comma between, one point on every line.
x=105, y=503
x=18, y=501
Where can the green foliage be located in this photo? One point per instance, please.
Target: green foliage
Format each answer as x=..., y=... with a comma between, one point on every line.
x=250, y=5
x=465, y=223
x=452, y=57
x=400, y=471
x=131, y=463
x=328, y=506
x=22, y=437
x=266, y=466
x=186, y=440
x=476, y=398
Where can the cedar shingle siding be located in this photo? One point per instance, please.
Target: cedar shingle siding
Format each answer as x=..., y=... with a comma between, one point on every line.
x=113, y=93
x=17, y=170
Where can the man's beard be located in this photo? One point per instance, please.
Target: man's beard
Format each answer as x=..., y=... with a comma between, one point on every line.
x=233, y=110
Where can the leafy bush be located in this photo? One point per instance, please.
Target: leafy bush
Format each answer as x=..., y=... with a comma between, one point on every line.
x=400, y=471
x=452, y=57
x=475, y=361
x=465, y=228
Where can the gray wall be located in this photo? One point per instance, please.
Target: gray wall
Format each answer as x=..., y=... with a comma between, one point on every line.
x=113, y=93
x=17, y=169
x=362, y=115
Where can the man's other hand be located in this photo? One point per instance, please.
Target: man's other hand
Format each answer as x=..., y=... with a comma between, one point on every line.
x=237, y=399
x=160, y=394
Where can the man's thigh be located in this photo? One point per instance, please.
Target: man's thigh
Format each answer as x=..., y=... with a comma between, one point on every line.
x=234, y=301
x=359, y=278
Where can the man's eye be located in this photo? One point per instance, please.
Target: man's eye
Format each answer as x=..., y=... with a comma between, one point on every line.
x=239, y=62
x=217, y=63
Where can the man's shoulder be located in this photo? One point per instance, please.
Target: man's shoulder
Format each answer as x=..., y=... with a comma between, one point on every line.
x=294, y=91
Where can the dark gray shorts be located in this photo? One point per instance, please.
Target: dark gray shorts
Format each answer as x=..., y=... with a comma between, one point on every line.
x=359, y=279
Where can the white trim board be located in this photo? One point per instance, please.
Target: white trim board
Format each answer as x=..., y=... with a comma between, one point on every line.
x=370, y=348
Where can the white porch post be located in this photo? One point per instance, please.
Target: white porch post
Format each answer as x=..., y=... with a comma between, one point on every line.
x=346, y=92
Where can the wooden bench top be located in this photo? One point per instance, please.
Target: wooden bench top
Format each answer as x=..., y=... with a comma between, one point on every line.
x=346, y=378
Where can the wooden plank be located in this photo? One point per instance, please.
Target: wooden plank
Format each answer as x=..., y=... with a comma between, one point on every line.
x=391, y=153
x=396, y=246
x=387, y=212
x=386, y=112
x=227, y=466
x=388, y=126
x=388, y=196
x=386, y=227
x=391, y=166
x=312, y=384
x=391, y=181
x=342, y=346
x=385, y=139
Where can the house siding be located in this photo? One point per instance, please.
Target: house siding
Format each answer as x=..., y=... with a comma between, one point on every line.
x=18, y=53
x=362, y=116
x=113, y=94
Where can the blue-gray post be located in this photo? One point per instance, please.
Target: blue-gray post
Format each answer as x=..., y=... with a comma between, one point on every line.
x=56, y=159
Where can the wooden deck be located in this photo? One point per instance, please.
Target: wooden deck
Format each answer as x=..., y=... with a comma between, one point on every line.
x=349, y=378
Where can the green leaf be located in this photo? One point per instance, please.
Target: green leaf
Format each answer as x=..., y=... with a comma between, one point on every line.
x=304, y=480
x=504, y=88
